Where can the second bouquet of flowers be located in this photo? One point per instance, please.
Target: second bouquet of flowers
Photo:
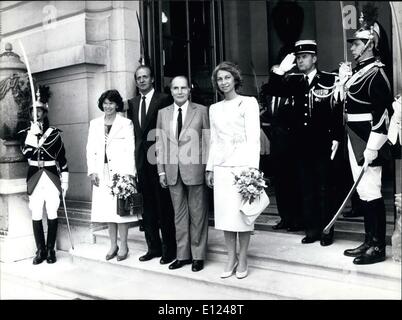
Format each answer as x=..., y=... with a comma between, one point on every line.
x=251, y=185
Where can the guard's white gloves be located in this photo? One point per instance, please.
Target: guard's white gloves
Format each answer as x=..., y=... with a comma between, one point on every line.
x=32, y=138
x=369, y=157
x=395, y=125
x=334, y=148
x=64, y=183
x=345, y=71
x=286, y=65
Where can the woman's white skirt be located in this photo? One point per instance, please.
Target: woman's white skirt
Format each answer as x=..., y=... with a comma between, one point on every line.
x=227, y=200
x=104, y=203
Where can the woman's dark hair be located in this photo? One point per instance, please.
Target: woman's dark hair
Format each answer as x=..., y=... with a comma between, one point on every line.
x=229, y=67
x=113, y=96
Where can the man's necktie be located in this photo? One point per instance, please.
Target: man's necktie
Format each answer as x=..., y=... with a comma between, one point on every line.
x=143, y=112
x=179, y=123
x=307, y=84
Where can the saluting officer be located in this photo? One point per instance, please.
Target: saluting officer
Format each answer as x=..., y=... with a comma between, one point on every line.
x=368, y=97
x=47, y=175
x=317, y=130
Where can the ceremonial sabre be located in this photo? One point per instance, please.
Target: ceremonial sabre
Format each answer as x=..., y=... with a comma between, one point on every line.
x=328, y=227
x=68, y=224
x=30, y=81
x=345, y=54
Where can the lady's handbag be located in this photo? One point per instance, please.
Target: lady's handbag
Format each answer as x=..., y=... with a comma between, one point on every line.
x=130, y=207
x=250, y=212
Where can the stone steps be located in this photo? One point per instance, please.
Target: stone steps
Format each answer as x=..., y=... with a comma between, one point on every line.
x=280, y=267
x=287, y=270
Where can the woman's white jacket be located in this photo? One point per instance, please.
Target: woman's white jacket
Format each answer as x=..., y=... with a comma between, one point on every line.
x=119, y=147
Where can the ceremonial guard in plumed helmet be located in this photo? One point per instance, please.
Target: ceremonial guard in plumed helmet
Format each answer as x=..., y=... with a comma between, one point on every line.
x=366, y=96
x=47, y=175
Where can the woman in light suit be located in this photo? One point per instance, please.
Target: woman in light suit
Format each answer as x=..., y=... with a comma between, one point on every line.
x=234, y=146
x=110, y=150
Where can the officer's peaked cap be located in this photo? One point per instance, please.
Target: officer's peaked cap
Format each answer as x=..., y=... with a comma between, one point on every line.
x=306, y=46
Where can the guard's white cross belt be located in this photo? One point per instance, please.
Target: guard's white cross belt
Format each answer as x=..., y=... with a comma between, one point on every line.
x=358, y=117
x=49, y=163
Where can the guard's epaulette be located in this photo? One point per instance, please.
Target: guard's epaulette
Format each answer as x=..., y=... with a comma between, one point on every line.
x=295, y=74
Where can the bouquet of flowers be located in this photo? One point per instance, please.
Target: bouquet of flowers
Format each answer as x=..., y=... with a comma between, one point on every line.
x=124, y=189
x=251, y=184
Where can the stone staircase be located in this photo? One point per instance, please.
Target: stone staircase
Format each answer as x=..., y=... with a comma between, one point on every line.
x=280, y=267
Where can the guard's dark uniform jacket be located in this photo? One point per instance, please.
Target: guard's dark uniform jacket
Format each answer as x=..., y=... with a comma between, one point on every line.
x=316, y=120
x=48, y=157
x=367, y=101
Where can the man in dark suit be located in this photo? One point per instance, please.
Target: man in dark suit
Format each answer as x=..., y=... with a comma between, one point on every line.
x=318, y=130
x=158, y=210
x=181, y=148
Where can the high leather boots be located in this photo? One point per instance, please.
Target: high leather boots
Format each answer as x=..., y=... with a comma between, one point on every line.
x=377, y=224
x=39, y=236
x=51, y=240
x=355, y=252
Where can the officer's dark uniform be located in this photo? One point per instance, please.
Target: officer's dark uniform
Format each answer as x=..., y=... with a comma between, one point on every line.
x=277, y=124
x=367, y=99
x=47, y=166
x=316, y=124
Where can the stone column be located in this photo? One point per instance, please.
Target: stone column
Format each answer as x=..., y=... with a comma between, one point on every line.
x=16, y=238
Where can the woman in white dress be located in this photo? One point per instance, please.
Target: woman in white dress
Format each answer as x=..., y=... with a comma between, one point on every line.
x=234, y=146
x=110, y=150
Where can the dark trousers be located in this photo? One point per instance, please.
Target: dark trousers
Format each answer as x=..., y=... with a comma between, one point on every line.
x=287, y=193
x=314, y=173
x=158, y=213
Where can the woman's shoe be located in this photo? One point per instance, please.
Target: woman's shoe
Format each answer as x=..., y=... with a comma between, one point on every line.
x=241, y=275
x=123, y=257
x=227, y=274
x=111, y=256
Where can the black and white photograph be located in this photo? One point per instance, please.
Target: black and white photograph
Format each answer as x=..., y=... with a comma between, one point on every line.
x=200, y=158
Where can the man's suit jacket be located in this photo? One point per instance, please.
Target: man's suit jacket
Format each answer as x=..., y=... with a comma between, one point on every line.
x=142, y=145
x=188, y=153
x=119, y=146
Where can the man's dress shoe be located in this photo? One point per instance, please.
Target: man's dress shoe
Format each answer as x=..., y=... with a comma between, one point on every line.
x=356, y=252
x=197, y=265
x=40, y=256
x=166, y=259
x=149, y=256
x=309, y=239
x=178, y=264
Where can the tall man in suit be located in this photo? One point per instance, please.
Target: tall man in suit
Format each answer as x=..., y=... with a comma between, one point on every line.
x=158, y=210
x=181, y=148
x=318, y=130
